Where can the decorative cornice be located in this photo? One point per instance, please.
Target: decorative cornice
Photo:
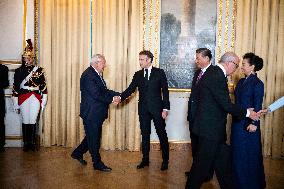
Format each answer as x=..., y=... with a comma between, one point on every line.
x=7, y=62
x=13, y=137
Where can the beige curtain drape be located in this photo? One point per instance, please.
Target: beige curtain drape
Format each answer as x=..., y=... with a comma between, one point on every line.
x=64, y=53
x=117, y=32
x=65, y=50
x=260, y=29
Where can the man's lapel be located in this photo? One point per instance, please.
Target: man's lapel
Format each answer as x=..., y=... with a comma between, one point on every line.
x=98, y=77
x=153, y=72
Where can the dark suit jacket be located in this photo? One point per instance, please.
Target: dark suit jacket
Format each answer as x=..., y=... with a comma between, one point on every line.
x=213, y=104
x=95, y=97
x=153, y=94
x=4, y=82
x=192, y=101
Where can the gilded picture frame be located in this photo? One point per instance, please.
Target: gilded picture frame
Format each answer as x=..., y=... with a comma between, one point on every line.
x=185, y=26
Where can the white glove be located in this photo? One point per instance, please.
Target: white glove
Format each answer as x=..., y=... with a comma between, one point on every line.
x=16, y=104
x=43, y=101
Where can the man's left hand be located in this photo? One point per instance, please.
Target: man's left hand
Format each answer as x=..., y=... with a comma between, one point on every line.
x=251, y=128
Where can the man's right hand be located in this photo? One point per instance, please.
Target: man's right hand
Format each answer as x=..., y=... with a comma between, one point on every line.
x=116, y=100
x=253, y=115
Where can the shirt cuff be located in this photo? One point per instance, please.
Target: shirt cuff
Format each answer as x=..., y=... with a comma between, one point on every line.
x=248, y=113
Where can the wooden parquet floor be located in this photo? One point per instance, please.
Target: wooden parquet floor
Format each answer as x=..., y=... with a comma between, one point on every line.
x=52, y=168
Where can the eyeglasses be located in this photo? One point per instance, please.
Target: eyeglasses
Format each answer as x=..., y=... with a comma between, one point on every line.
x=237, y=65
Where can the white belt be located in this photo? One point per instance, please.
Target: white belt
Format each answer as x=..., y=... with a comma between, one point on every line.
x=30, y=88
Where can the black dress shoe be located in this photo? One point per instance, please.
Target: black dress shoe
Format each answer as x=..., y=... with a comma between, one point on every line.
x=32, y=147
x=26, y=148
x=207, y=179
x=80, y=159
x=165, y=165
x=102, y=167
x=143, y=164
x=2, y=149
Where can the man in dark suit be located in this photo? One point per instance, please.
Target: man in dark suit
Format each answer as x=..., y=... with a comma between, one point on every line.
x=153, y=105
x=213, y=104
x=202, y=59
x=4, y=82
x=95, y=100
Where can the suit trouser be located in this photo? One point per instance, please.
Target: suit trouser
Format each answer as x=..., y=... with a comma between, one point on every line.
x=194, y=142
x=2, y=132
x=160, y=126
x=92, y=141
x=194, y=149
x=210, y=154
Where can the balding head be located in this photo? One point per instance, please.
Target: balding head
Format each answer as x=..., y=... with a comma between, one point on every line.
x=96, y=58
x=98, y=62
x=230, y=61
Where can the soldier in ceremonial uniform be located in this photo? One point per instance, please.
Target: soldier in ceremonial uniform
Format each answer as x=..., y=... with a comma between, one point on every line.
x=30, y=95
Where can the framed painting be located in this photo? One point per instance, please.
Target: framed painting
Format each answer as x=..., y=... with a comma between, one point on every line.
x=185, y=26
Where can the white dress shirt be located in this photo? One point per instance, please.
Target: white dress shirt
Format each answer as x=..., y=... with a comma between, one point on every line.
x=149, y=71
x=204, y=69
x=100, y=76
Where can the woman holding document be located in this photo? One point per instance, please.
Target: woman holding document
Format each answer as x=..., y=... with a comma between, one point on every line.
x=247, y=160
x=274, y=106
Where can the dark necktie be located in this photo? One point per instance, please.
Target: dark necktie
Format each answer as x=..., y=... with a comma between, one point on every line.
x=146, y=74
x=199, y=76
x=103, y=80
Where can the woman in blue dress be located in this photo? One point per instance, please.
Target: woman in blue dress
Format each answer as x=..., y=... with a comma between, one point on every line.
x=247, y=160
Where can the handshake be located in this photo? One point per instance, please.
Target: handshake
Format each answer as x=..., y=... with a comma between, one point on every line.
x=116, y=100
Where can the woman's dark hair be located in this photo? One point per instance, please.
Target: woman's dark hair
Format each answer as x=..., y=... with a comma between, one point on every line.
x=254, y=60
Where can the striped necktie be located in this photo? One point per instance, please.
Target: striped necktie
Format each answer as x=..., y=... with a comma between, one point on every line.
x=199, y=76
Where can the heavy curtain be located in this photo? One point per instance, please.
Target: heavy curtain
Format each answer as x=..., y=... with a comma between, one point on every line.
x=260, y=29
x=117, y=32
x=64, y=54
x=70, y=32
